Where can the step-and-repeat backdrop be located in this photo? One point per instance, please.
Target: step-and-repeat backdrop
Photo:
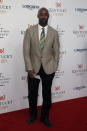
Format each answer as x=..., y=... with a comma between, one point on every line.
x=69, y=18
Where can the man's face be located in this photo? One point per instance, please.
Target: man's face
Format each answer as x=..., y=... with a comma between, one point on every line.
x=43, y=17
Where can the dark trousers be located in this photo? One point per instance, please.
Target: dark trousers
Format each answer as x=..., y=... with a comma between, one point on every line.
x=33, y=85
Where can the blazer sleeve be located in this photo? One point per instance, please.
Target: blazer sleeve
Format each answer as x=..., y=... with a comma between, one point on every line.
x=26, y=51
x=56, y=48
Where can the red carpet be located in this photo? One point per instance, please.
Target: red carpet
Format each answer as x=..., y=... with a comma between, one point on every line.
x=68, y=115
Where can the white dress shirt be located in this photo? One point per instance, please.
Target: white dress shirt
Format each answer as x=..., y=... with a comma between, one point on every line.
x=40, y=30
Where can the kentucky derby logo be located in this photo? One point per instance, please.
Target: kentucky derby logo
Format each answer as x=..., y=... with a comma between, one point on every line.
x=57, y=88
x=2, y=50
x=58, y=10
x=58, y=92
x=58, y=4
x=1, y=1
x=80, y=66
x=81, y=31
x=81, y=27
x=79, y=70
x=2, y=97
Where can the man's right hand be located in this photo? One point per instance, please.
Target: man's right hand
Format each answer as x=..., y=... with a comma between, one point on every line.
x=31, y=73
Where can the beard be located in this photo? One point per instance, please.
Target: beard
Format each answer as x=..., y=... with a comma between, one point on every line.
x=43, y=22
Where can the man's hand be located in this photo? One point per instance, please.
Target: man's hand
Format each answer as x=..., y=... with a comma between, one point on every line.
x=31, y=73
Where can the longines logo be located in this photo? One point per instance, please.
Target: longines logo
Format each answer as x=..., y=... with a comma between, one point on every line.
x=58, y=10
x=81, y=31
x=80, y=50
x=3, y=32
x=81, y=10
x=79, y=88
x=4, y=56
x=31, y=7
x=80, y=70
x=4, y=79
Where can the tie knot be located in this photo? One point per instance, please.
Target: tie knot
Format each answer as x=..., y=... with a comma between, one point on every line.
x=43, y=29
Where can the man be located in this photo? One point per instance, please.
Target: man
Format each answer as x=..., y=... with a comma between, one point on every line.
x=41, y=56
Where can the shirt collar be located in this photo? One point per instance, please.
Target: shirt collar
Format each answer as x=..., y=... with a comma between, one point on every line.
x=40, y=27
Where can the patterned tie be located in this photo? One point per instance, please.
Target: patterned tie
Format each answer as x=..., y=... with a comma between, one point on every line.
x=42, y=39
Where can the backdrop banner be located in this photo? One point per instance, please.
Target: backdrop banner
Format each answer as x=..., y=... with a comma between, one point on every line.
x=69, y=18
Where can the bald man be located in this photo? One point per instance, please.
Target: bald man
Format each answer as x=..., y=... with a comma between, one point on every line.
x=41, y=56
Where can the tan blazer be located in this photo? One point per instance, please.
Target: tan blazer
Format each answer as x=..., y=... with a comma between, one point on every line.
x=31, y=50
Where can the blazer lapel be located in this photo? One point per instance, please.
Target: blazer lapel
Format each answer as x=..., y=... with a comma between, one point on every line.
x=37, y=36
x=48, y=34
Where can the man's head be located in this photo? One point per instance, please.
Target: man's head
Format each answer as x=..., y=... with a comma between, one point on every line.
x=43, y=16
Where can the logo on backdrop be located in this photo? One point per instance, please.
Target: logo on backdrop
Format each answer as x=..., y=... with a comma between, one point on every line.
x=81, y=10
x=5, y=104
x=58, y=4
x=80, y=50
x=4, y=79
x=1, y=50
x=4, y=8
x=61, y=31
x=79, y=70
x=5, y=56
x=3, y=32
x=58, y=10
x=59, y=73
x=1, y=1
x=28, y=26
x=24, y=78
x=62, y=53
x=25, y=97
x=31, y=7
x=2, y=98
x=58, y=92
x=81, y=31
x=79, y=88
